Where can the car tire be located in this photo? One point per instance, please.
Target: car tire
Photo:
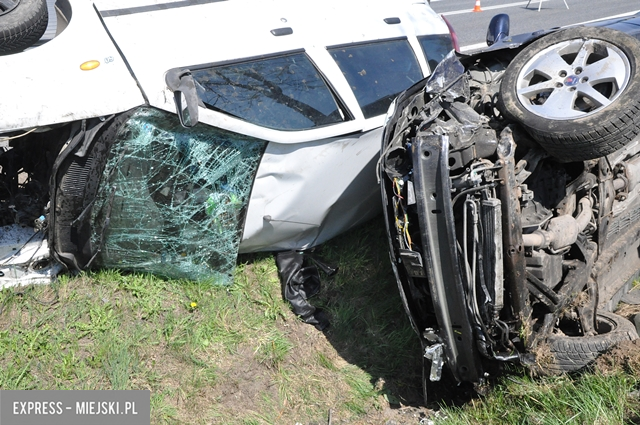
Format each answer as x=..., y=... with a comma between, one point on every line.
x=22, y=25
x=572, y=353
x=576, y=91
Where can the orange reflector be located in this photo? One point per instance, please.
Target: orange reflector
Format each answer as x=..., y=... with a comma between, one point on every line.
x=89, y=65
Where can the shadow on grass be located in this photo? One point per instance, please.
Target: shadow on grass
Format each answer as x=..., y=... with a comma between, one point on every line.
x=369, y=327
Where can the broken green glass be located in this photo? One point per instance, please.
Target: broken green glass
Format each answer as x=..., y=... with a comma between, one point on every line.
x=172, y=200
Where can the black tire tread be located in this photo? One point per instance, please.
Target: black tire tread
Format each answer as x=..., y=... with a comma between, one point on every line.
x=571, y=354
x=612, y=136
x=23, y=26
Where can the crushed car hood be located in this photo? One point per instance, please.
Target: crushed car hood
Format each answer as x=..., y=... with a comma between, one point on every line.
x=45, y=85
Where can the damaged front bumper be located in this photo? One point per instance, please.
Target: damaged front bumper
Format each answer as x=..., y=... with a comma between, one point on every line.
x=453, y=215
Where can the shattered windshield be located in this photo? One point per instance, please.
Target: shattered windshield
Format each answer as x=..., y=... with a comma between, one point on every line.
x=172, y=200
x=377, y=72
x=283, y=93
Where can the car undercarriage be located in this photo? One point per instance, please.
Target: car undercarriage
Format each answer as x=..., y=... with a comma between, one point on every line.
x=510, y=186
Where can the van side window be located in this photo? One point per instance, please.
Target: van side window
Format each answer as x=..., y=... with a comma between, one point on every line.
x=377, y=72
x=283, y=93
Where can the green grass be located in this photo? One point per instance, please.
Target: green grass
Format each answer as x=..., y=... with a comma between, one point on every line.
x=588, y=399
x=237, y=355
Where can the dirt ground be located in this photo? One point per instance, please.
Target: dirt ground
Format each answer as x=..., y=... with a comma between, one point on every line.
x=240, y=388
x=245, y=381
x=625, y=355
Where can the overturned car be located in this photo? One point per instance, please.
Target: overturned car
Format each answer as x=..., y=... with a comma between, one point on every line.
x=510, y=182
x=167, y=136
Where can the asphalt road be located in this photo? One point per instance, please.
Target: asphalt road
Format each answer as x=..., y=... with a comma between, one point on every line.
x=471, y=27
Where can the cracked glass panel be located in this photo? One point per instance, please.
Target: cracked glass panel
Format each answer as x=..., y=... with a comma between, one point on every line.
x=172, y=200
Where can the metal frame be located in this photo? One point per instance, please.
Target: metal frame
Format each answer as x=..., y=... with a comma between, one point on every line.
x=540, y=4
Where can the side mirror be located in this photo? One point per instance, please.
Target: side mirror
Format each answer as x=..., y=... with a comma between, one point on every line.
x=185, y=96
x=498, y=28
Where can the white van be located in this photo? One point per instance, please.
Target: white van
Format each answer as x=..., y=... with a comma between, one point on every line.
x=167, y=136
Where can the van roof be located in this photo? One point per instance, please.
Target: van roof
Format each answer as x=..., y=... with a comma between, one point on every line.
x=218, y=30
x=154, y=36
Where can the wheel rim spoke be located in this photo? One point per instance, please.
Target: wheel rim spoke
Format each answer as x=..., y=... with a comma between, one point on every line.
x=606, y=70
x=6, y=5
x=535, y=89
x=583, y=53
x=573, y=79
x=547, y=65
x=595, y=96
x=560, y=104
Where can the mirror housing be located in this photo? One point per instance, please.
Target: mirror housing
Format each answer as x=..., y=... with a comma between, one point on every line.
x=498, y=29
x=185, y=96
